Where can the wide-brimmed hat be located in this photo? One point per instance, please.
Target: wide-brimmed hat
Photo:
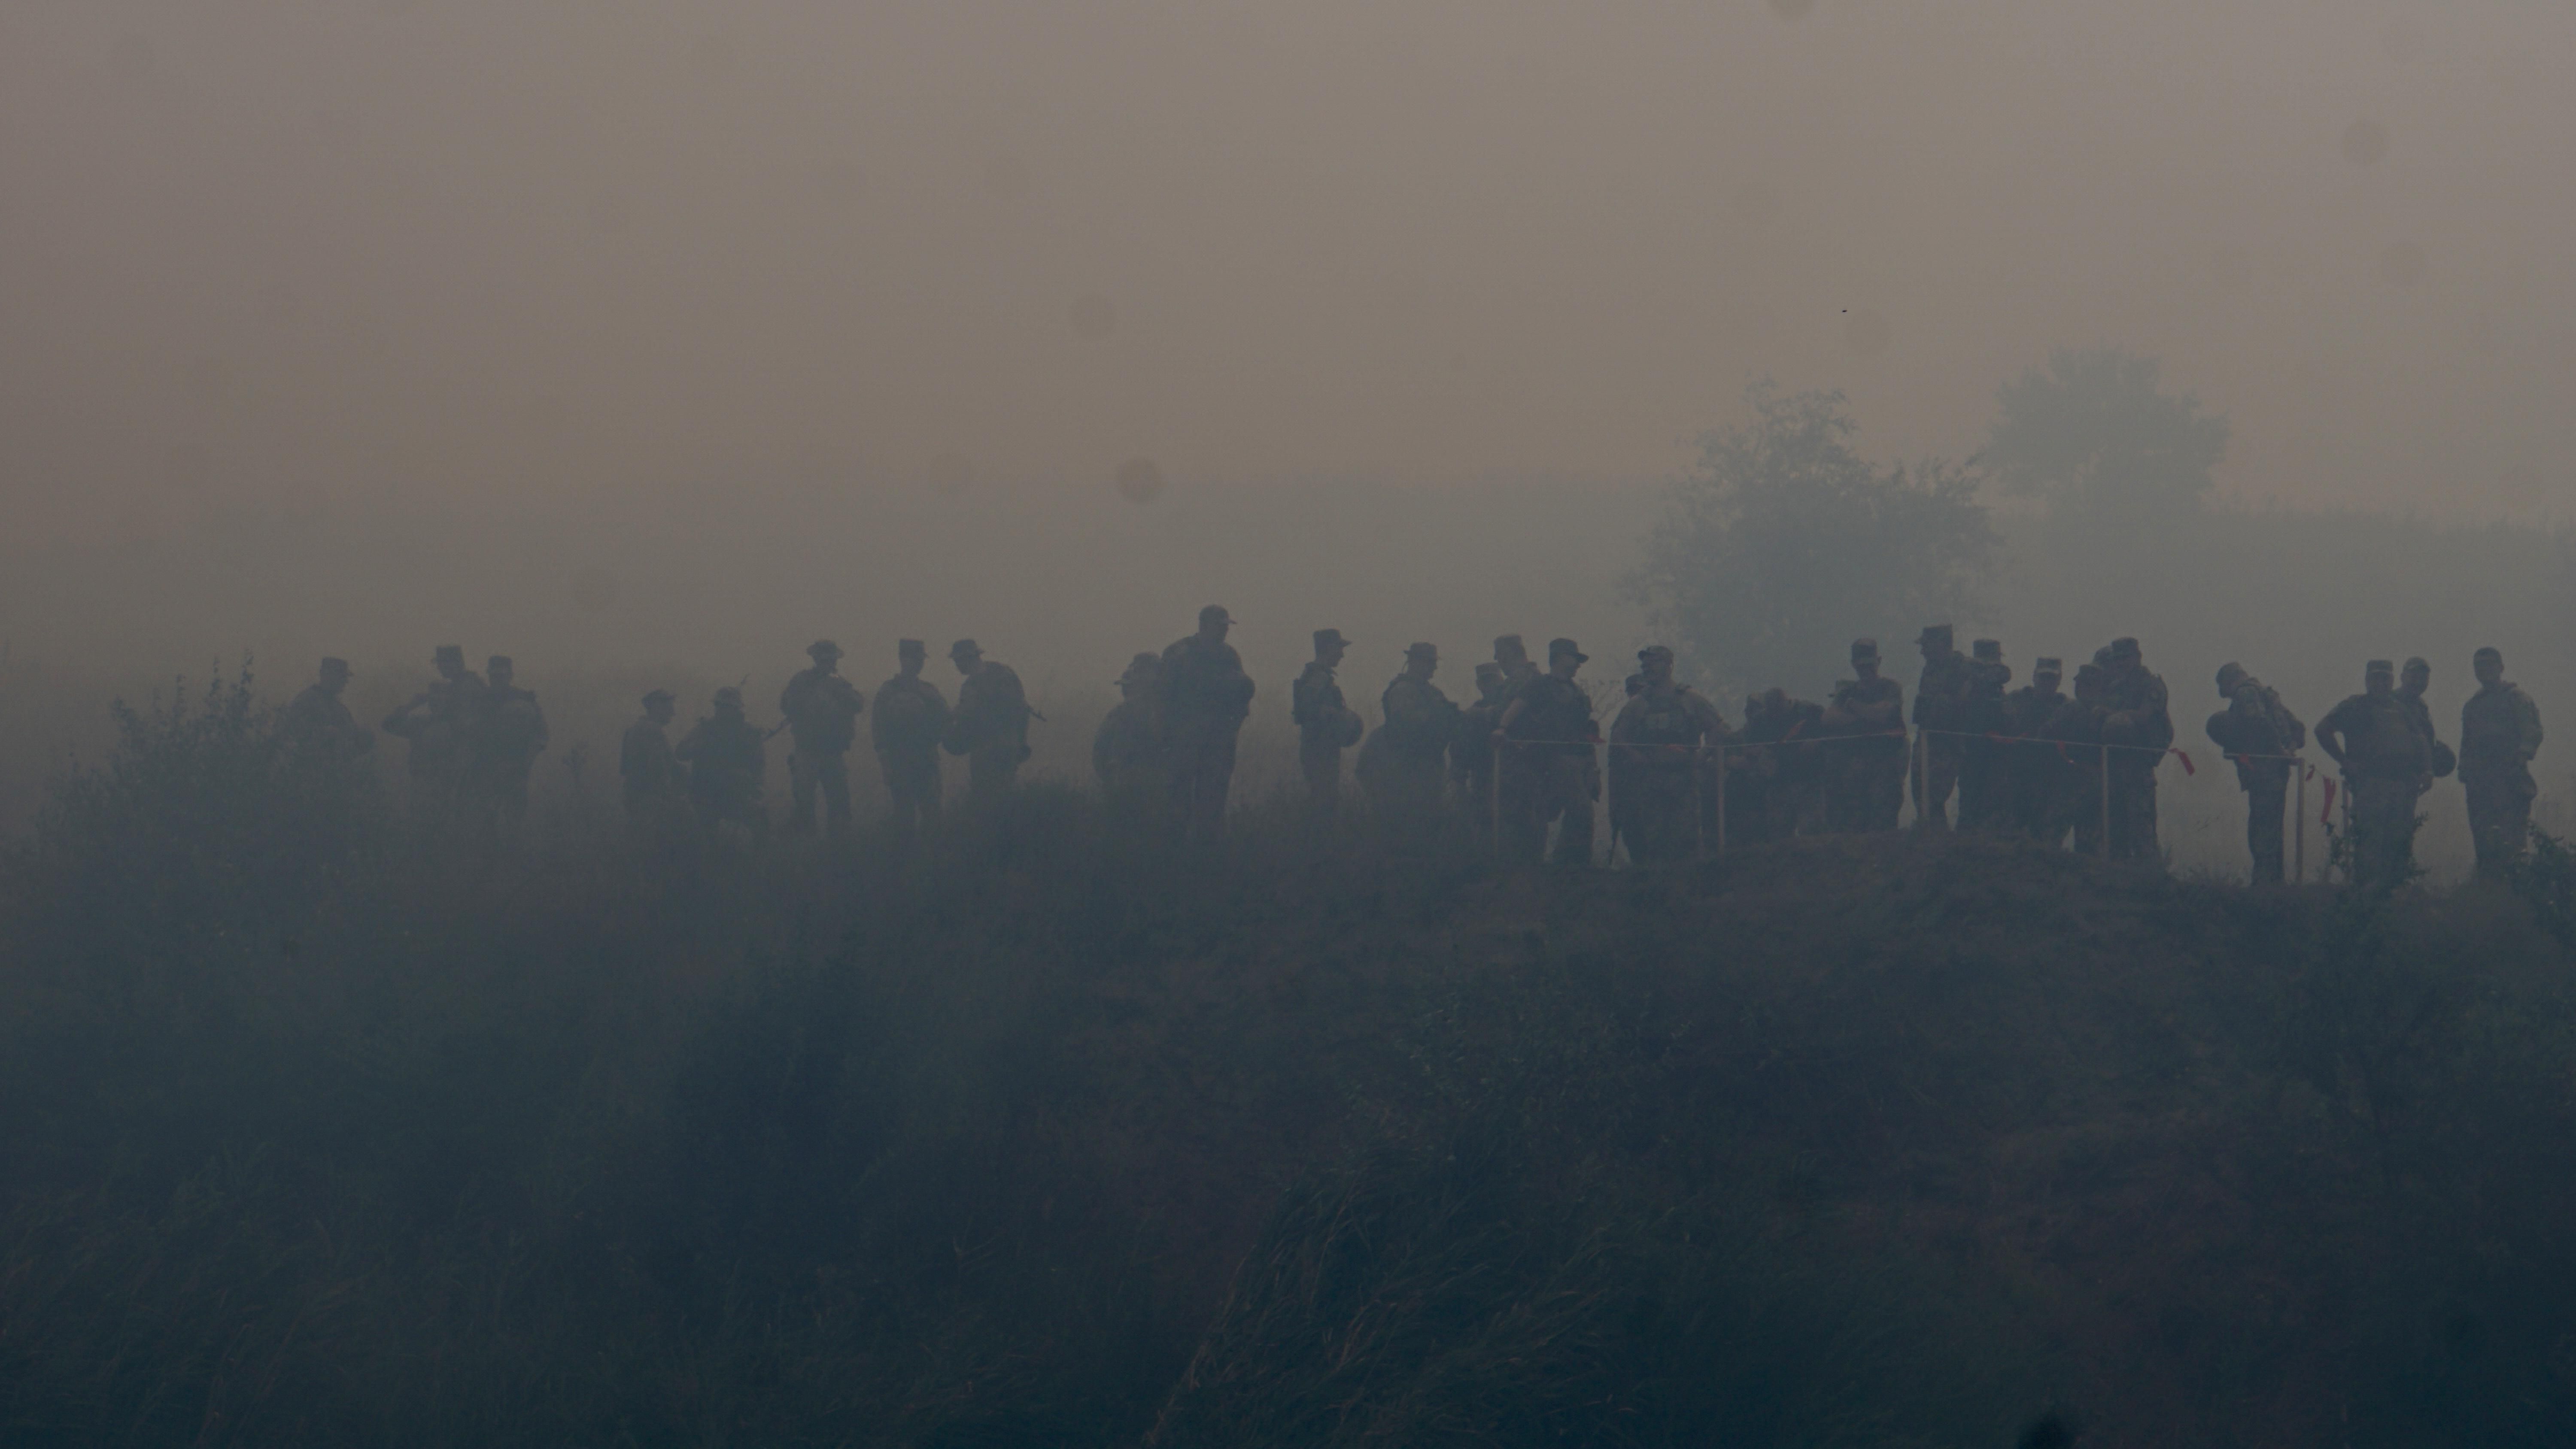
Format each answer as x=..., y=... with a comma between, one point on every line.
x=1327, y=638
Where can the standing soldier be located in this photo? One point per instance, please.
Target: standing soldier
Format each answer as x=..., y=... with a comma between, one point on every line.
x=2074, y=734
x=991, y=724
x=1940, y=722
x=1777, y=789
x=1206, y=696
x=503, y=741
x=1865, y=717
x=317, y=727
x=2136, y=717
x=1325, y=725
x=2260, y=734
x=2413, y=678
x=1672, y=738
x=648, y=773
x=434, y=723
x=1512, y=792
x=2385, y=762
x=911, y=716
x=2499, y=734
x=1471, y=749
x=727, y=764
x=1128, y=751
x=822, y=716
x=2031, y=764
x=1546, y=739
x=1983, y=803
x=1406, y=756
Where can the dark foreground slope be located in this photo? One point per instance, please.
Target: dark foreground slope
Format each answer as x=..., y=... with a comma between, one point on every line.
x=314, y=1138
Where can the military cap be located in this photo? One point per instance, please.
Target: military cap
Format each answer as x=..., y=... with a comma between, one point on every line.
x=728, y=698
x=1561, y=645
x=2489, y=651
x=1143, y=666
x=823, y=648
x=1213, y=612
x=1510, y=644
x=332, y=665
x=498, y=661
x=447, y=652
x=1991, y=650
x=1327, y=638
x=2124, y=647
x=1489, y=670
x=963, y=648
x=1652, y=651
x=2416, y=665
x=2379, y=666
x=653, y=697
x=904, y=647
x=1420, y=650
x=2087, y=671
x=2102, y=655
x=1864, y=649
x=1933, y=634
x=2228, y=674
x=2048, y=664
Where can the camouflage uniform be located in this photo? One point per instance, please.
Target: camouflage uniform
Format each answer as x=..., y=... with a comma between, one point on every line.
x=1940, y=722
x=503, y=740
x=911, y=717
x=1206, y=697
x=2136, y=716
x=1406, y=754
x=433, y=723
x=2075, y=739
x=1984, y=771
x=648, y=773
x=1326, y=726
x=2031, y=765
x=2385, y=762
x=822, y=711
x=2260, y=735
x=1670, y=737
x=317, y=728
x=990, y=726
x=1550, y=775
x=1127, y=752
x=2499, y=734
x=1777, y=789
x=727, y=764
x=1866, y=769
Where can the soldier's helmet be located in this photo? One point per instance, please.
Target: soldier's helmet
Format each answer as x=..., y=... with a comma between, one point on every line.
x=1508, y=648
x=965, y=649
x=1330, y=638
x=1654, y=652
x=2487, y=653
x=2417, y=665
x=729, y=698
x=1560, y=647
x=2230, y=675
x=1864, y=649
x=822, y=649
x=1990, y=651
x=1937, y=634
x=1420, y=650
x=2087, y=676
x=911, y=649
x=2102, y=656
x=2048, y=666
x=653, y=697
x=2124, y=647
x=335, y=668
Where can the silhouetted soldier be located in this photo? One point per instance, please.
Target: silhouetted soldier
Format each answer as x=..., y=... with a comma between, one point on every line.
x=2413, y=678
x=1407, y=757
x=1513, y=787
x=1865, y=718
x=911, y=717
x=648, y=773
x=434, y=723
x=1614, y=769
x=1206, y=697
x=1471, y=748
x=727, y=764
x=2074, y=733
x=1941, y=722
x=1546, y=739
x=1128, y=752
x=1325, y=725
x=991, y=724
x=506, y=735
x=2135, y=717
x=2261, y=736
x=2499, y=734
x=821, y=710
x=1672, y=737
x=317, y=727
x=1984, y=784
x=1777, y=786
x=2031, y=764
x=2385, y=763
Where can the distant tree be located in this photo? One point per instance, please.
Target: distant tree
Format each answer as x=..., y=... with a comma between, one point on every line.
x=1786, y=545
x=2091, y=434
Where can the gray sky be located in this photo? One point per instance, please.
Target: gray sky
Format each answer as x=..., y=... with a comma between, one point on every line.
x=453, y=251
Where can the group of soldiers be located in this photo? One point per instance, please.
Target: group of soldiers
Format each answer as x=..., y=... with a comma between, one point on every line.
x=1522, y=760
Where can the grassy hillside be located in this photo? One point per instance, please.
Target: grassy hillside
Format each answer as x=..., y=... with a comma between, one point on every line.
x=322, y=1133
